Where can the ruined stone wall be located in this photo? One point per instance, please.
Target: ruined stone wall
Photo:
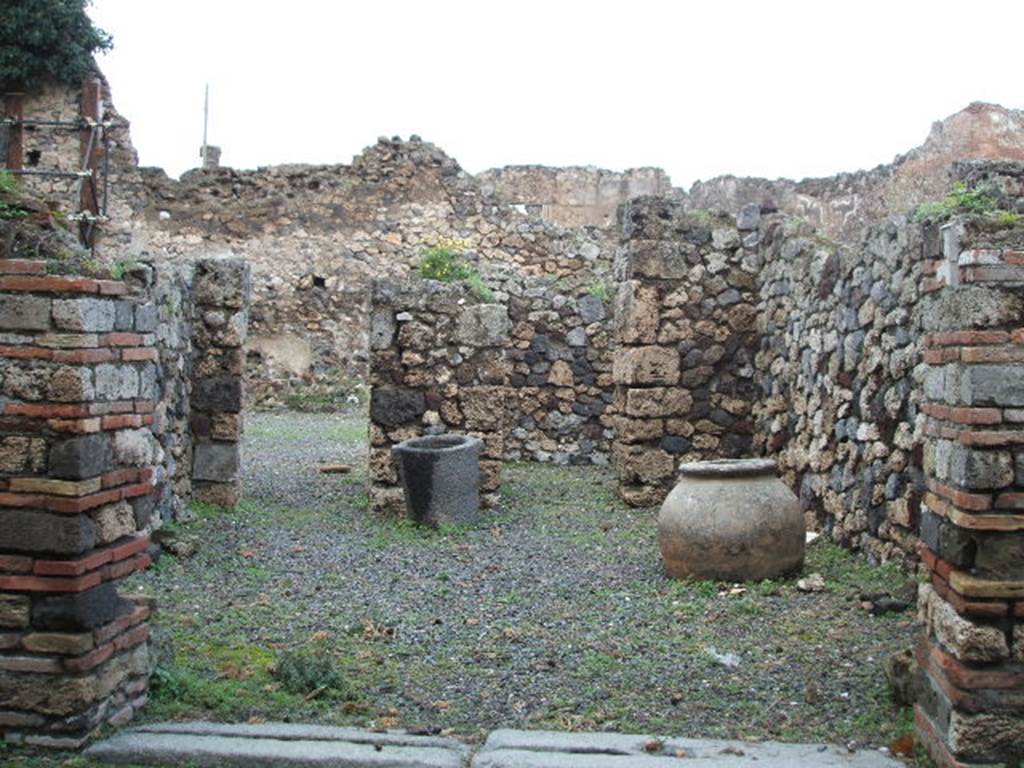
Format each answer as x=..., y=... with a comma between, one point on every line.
x=841, y=206
x=684, y=374
x=561, y=353
x=438, y=364
x=971, y=526
x=840, y=341
x=104, y=387
x=573, y=197
x=317, y=236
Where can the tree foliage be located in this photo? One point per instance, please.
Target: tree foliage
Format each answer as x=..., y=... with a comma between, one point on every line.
x=43, y=40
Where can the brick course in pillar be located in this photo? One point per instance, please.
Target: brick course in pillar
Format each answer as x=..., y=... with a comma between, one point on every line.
x=972, y=527
x=78, y=450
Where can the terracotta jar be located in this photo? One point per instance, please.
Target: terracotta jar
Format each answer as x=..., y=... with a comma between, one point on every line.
x=731, y=519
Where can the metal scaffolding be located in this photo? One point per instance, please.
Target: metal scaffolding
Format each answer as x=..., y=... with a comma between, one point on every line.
x=91, y=180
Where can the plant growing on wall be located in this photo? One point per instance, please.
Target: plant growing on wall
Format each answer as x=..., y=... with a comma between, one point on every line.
x=43, y=40
x=446, y=262
x=965, y=200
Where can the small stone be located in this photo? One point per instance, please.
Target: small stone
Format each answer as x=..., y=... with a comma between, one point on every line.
x=813, y=583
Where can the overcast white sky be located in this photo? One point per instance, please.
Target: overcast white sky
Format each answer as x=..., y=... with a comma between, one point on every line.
x=756, y=88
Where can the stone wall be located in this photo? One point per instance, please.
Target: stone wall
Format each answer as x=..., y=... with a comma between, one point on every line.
x=317, y=236
x=438, y=364
x=841, y=206
x=971, y=528
x=104, y=386
x=684, y=374
x=79, y=462
x=573, y=197
x=840, y=336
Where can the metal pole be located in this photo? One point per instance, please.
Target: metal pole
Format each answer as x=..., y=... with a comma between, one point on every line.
x=206, y=120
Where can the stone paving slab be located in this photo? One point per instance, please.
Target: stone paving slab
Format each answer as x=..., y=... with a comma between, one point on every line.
x=206, y=745
x=549, y=749
x=210, y=745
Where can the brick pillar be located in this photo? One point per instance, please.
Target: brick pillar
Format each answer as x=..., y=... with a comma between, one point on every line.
x=78, y=456
x=971, y=711
x=686, y=317
x=221, y=290
x=437, y=364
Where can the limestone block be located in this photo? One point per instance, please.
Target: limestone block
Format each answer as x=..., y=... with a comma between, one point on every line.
x=113, y=521
x=62, y=696
x=382, y=329
x=980, y=469
x=629, y=430
x=636, y=313
x=965, y=639
x=643, y=466
x=218, y=393
x=32, y=530
x=642, y=495
x=22, y=454
x=985, y=736
x=658, y=401
x=70, y=384
x=382, y=467
x=117, y=382
x=216, y=462
x=483, y=325
x=134, y=447
x=93, y=315
x=54, y=642
x=24, y=313
x=483, y=407
x=1001, y=385
x=392, y=406
x=218, y=494
x=659, y=259
x=646, y=365
x=222, y=282
x=14, y=611
x=80, y=457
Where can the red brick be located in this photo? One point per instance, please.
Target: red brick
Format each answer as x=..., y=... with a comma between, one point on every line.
x=116, y=627
x=1018, y=610
x=112, y=287
x=22, y=267
x=48, y=284
x=90, y=660
x=121, y=339
x=992, y=273
x=1010, y=501
x=129, y=548
x=139, y=489
x=148, y=419
x=25, y=353
x=992, y=354
x=941, y=355
x=72, y=567
x=47, y=584
x=963, y=338
x=8, y=425
x=15, y=564
x=135, y=354
x=146, y=474
x=976, y=502
x=935, y=410
x=992, y=438
x=131, y=638
x=122, y=406
x=81, y=504
x=976, y=415
x=143, y=561
x=1017, y=336
x=122, y=421
x=965, y=607
x=933, y=742
x=83, y=356
x=120, y=477
x=144, y=406
x=47, y=410
x=931, y=284
x=78, y=426
x=118, y=570
x=934, y=658
x=21, y=500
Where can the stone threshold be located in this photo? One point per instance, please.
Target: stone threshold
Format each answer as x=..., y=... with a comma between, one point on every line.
x=205, y=745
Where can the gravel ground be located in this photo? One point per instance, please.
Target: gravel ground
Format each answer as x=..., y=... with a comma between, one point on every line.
x=553, y=614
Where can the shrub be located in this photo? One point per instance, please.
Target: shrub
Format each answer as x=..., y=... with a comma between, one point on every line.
x=445, y=262
x=963, y=200
x=305, y=671
x=44, y=40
